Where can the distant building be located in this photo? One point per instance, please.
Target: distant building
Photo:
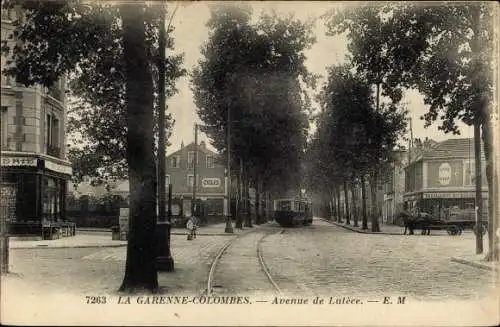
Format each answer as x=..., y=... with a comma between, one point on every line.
x=443, y=177
x=34, y=169
x=210, y=179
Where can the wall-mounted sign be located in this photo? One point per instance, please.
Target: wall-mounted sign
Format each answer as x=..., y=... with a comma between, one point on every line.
x=444, y=174
x=452, y=195
x=58, y=168
x=19, y=161
x=210, y=182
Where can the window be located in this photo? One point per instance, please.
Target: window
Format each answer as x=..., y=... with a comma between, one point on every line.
x=190, y=180
x=52, y=135
x=210, y=161
x=4, y=128
x=469, y=172
x=175, y=161
x=167, y=180
x=191, y=155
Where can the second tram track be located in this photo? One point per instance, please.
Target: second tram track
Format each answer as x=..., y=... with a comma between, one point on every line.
x=260, y=258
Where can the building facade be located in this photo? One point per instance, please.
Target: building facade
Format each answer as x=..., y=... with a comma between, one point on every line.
x=34, y=169
x=394, y=187
x=210, y=180
x=443, y=178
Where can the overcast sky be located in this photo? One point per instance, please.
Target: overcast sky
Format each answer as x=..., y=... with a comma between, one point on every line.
x=191, y=32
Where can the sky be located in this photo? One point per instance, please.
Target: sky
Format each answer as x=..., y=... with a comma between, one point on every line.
x=191, y=33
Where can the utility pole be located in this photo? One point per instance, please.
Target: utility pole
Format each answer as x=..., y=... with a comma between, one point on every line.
x=164, y=259
x=195, y=164
x=478, y=187
x=229, y=225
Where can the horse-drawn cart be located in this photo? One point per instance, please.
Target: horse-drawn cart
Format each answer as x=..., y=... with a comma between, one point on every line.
x=453, y=224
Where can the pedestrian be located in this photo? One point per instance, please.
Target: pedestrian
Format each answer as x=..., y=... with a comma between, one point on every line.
x=192, y=225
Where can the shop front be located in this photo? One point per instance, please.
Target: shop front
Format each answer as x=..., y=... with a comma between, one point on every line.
x=37, y=186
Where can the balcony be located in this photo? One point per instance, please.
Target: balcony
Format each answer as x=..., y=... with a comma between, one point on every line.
x=54, y=151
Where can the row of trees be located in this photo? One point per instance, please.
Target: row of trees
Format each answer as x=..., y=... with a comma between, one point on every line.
x=111, y=54
x=256, y=71
x=446, y=52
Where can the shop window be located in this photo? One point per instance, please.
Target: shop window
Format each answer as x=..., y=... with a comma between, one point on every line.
x=51, y=198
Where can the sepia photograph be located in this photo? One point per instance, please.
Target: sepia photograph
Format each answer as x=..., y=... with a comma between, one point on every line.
x=249, y=163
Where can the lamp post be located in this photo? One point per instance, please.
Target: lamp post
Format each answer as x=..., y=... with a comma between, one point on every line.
x=195, y=164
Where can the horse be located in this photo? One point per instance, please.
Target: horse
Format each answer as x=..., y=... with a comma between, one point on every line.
x=411, y=223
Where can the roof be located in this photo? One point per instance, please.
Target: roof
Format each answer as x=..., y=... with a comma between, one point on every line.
x=459, y=148
x=191, y=146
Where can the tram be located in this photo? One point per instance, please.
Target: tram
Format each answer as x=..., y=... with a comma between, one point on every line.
x=293, y=211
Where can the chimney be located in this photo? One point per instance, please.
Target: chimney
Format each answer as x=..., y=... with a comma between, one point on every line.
x=182, y=144
x=202, y=145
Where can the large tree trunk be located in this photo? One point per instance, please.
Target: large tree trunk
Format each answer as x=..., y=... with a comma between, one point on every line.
x=332, y=212
x=339, y=208
x=346, y=203
x=479, y=187
x=246, y=196
x=492, y=178
x=140, y=267
x=354, y=204
x=239, y=221
x=257, y=201
x=363, y=202
x=373, y=194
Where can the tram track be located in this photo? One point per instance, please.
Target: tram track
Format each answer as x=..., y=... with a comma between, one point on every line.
x=258, y=254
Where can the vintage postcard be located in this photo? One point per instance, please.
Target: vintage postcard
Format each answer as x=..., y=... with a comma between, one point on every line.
x=251, y=163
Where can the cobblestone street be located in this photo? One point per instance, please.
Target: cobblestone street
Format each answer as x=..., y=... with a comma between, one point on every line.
x=321, y=259
x=330, y=260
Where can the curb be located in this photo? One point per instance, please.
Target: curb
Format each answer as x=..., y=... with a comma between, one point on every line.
x=357, y=230
x=474, y=264
x=46, y=246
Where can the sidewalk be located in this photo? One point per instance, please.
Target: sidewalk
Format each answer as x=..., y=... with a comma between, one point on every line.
x=385, y=229
x=388, y=229
x=102, y=238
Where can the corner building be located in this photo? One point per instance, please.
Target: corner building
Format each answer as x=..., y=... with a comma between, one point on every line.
x=34, y=169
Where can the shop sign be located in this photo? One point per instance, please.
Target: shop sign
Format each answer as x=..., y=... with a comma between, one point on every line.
x=450, y=195
x=19, y=161
x=58, y=168
x=210, y=182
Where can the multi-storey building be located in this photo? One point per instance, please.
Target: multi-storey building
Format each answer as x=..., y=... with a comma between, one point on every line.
x=34, y=169
x=443, y=177
x=210, y=179
x=394, y=187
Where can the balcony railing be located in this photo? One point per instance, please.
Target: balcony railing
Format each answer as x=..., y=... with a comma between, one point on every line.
x=54, y=151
